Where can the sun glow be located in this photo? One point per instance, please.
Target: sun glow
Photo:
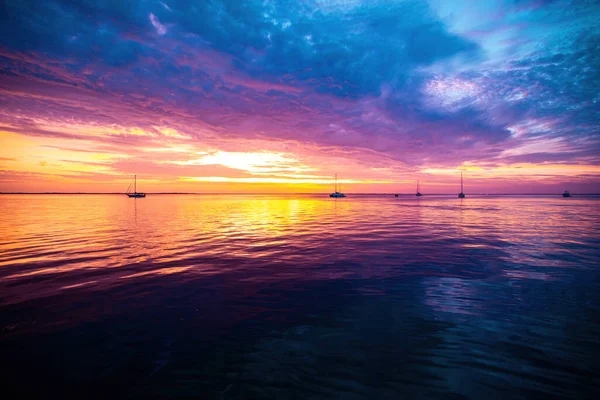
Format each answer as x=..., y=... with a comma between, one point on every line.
x=319, y=181
x=258, y=162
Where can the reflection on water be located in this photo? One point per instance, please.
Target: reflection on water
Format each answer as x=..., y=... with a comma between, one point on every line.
x=301, y=296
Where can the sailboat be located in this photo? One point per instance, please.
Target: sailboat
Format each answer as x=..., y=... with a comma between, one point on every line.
x=567, y=194
x=135, y=192
x=337, y=193
x=418, y=191
x=461, y=195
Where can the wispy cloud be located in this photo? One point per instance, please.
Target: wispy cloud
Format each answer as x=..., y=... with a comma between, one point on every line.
x=160, y=28
x=166, y=6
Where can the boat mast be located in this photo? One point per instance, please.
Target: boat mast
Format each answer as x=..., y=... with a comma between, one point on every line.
x=461, y=183
x=135, y=184
x=417, y=186
x=335, y=189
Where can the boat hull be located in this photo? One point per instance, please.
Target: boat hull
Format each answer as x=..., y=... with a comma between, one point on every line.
x=461, y=195
x=136, y=195
x=337, y=195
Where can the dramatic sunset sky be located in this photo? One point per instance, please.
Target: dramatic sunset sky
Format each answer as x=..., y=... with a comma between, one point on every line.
x=277, y=96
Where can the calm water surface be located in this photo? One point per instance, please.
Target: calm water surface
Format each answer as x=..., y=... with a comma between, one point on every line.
x=300, y=297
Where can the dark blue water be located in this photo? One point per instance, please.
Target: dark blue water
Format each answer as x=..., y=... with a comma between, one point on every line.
x=300, y=297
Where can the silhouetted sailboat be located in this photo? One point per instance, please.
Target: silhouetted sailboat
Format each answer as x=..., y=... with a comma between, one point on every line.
x=566, y=194
x=135, y=192
x=461, y=194
x=337, y=193
x=418, y=191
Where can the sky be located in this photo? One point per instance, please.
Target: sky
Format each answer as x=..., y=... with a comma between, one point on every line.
x=278, y=96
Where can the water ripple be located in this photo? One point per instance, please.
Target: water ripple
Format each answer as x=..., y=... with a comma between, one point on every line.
x=302, y=296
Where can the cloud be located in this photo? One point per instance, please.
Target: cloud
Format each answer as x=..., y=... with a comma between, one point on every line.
x=166, y=6
x=396, y=85
x=160, y=28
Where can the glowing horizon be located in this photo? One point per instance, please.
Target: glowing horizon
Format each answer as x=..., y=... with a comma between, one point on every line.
x=214, y=97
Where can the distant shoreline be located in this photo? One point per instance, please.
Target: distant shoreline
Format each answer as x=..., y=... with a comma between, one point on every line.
x=305, y=194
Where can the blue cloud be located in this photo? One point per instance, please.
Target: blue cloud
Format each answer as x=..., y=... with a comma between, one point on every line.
x=357, y=48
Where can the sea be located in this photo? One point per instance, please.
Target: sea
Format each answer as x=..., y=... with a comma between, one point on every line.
x=300, y=297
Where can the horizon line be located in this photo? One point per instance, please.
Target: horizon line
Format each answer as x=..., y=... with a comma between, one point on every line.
x=302, y=193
